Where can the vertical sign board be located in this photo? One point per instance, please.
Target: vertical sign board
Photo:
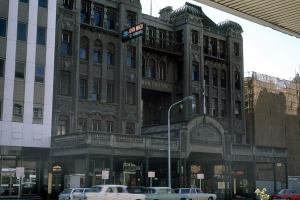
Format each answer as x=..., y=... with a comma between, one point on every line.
x=151, y=175
x=133, y=32
x=105, y=175
x=20, y=174
x=200, y=177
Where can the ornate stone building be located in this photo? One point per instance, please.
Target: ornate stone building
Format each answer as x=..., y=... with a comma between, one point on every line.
x=111, y=98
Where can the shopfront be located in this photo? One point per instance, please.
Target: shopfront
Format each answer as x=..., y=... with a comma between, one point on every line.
x=32, y=182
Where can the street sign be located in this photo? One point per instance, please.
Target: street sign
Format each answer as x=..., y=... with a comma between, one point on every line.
x=20, y=172
x=151, y=174
x=105, y=174
x=200, y=176
x=133, y=32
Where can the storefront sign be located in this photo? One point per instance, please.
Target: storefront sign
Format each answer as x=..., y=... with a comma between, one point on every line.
x=151, y=174
x=129, y=167
x=20, y=172
x=105, y=174
x=221, y=185
x=133, y=32
x=195, y=169
x=200, y=176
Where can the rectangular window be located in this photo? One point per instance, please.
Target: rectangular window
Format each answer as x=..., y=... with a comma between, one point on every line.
x=97, y=56
x=205, y=44
x=1, y=105
x=130, y=128
x=236, y=49
x=3, y=27
x=162, y=38
x=66, y=39
x=65, y=83
x=109, y=126
x=131, y=18
x=97, y=90
x=195, y=71
x=22, y=31
x=130, y=93
x=111, y=18
x=194, y=37
x=24, y=1
x=110, y=92
x=85, y=12
x=82, y=124
x=214, y=108
x=131, y=56
x=37, y=113
x=213, y=43
x=223, y=108
x=20, y=70
x=237, y=110
x=98, y=15
x=62, y=125
x=152, y=35
x=2, y=67
x=83, y=88
x=43, y=3
x=39, y=73
x=96, y=125
x=222, y=49
x=68, y=4
x=18, y=112
x=41, y=35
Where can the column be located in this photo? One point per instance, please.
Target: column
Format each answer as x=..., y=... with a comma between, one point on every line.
x=111, y=169
x=87, y=170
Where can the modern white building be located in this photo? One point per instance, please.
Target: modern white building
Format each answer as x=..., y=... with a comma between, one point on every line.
x=27, y=41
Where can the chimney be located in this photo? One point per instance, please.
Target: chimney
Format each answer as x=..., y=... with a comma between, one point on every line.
x=165, y=13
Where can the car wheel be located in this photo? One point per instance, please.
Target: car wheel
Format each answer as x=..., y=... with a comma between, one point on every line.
x=210, y=198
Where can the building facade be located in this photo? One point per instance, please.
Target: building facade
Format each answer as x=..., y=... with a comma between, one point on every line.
x=111, y=99
x=272, y=116
x=27, y=40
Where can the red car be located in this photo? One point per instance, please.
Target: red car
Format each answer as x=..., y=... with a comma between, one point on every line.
x=286, y=194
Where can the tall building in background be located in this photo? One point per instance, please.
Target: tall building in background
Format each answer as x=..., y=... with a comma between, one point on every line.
x=27, y=41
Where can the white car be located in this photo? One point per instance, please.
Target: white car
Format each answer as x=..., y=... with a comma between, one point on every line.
x=112, y=192
x=195, y=194
x=162, y=193
x=73, y=194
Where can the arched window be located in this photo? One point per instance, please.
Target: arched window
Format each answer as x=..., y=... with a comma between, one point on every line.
x=237, y=79
x=97, y=54
x=223, y=79
x=144, y=67
x=215, y=77
x=84, y=48
x=162, y=71
x=150, y=72
x=206, y=75
x=110, y=59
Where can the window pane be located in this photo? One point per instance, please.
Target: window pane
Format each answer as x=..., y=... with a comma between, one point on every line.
x=20, y=70
x=66, y=43
x=43, y=3
x=41, y=35
x=39, y=73
x=3, y=27
x=2, y=68
x=22, y=32
x=65, y=81
x=110, y=92
x=25, y=1
x=38, y=113
x=83, y=88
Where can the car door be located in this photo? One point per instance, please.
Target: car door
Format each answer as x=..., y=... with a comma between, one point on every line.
x=194, y=194
x=77, y=194
x=121, y=193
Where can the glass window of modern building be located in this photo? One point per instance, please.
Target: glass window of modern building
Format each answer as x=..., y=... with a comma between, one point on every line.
x=39, y=73
x=41, y=35
x=2, y=67
x=3, y=27
x=22, y=31
x=43, y=3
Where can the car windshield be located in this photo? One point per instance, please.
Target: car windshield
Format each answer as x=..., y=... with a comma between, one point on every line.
x=66, y=191
x=136, y=190
x=185, y=191
x=94, y=189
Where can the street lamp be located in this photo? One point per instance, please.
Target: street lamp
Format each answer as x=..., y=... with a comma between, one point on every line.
x=169, y=137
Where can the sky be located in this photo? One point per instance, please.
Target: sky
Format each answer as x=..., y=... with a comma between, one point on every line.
x=265, y=50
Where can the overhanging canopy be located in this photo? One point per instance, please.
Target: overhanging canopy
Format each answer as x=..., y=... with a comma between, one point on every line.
x=281, y=15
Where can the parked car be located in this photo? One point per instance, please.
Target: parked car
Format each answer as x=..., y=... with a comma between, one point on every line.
x=286, y=194
x=112, y=192
x=73, y=194
x=195, y=194
x=162, y=193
